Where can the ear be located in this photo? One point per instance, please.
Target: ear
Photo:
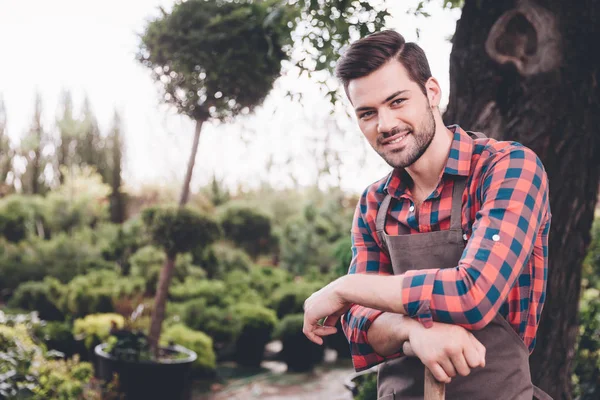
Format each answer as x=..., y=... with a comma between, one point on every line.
x=434, y=92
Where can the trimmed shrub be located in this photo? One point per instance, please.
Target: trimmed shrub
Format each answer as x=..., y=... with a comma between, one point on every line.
x=57, y=336
x=95, y=329
x=42, y=297
x=221, y=325
x=247, y=227
x=220, y=259
x=289, y=298
x=212, y=291
x=299, y=353
x=197, y=341
x=257, y=325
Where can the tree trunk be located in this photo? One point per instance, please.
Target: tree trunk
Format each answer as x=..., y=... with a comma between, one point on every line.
x=162, y=290
x=185, y=190
x=526, y=72
x=160, y=303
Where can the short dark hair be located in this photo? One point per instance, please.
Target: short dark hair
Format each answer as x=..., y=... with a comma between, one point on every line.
x=371, y=52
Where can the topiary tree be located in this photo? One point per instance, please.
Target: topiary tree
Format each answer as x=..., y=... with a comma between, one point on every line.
x=203, y=68
x=176, y=231
x=248, y=228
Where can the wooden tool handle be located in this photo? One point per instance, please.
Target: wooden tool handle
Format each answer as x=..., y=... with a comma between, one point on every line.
x=434, y=390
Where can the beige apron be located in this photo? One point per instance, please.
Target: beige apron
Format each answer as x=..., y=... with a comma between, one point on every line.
x=506, y=374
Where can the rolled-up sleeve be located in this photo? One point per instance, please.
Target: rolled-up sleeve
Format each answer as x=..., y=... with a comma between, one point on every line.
x=514, y=210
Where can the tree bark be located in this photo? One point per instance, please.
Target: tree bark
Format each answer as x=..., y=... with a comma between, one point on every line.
x=185, y=190
x=162, y=290
x=526, y=71
x=160, y=303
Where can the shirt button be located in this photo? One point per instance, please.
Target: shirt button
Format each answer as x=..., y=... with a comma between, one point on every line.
x=495, y=238
x=411, y=208
x=465, y=236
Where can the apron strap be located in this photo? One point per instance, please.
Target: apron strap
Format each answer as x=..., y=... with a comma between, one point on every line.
x=457, y=192
x=380, y=221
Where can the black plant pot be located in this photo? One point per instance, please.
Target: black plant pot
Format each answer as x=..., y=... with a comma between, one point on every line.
x=147, y=380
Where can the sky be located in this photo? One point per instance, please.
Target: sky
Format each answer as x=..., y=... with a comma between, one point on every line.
x=88, y=47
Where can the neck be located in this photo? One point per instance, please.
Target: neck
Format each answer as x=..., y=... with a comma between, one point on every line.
x=426, y=171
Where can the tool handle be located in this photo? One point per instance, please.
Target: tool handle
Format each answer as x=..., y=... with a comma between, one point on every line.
x=434, y=390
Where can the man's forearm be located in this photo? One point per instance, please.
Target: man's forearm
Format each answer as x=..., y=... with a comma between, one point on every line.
x=388, y=332
x=379, y=292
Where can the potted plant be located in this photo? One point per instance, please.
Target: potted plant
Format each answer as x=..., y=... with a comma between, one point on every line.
x=146, y=369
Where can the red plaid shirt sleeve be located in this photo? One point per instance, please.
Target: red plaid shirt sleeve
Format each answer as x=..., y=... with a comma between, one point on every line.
x=513, y=217
x=367, y=258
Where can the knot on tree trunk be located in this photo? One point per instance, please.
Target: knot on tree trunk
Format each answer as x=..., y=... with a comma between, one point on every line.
x=527, y=37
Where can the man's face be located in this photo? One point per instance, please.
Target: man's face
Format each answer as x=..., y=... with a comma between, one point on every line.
x=393, y=114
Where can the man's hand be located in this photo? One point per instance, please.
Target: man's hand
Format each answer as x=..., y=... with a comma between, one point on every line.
x=327, y=302
x=447, y=350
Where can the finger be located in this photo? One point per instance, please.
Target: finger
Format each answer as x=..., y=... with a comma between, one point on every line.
x=408, y=350
x=476, y=353
x=448, y=367
x=438, y=372
x=324, y=330
x=308, y=329
x=460, y=364
x=331, y=320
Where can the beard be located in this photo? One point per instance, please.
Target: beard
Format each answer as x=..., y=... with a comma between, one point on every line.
x=423, y=136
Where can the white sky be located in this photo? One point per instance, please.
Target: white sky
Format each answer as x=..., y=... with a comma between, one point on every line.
x=88, y=47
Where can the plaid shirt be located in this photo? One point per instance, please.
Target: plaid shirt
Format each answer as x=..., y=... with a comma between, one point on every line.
x=505, y=221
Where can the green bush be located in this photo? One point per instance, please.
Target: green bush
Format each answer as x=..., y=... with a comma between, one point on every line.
x=22, y=217
x=42, y=297
x=98, y=291
x=212, y=291
x=180, y=230
x=586, y=371
x=196, y=341
x=239, y=289
x=95, y=328
x=220, y=324
x=299, y=353
x=148, y=261
x=129, y=238
x=57, y=336
x=266, y=280
x=289, y=298
x=27, y=372
x=367, y=387
x=257, y=324
x=220, y=259
x=247, y=227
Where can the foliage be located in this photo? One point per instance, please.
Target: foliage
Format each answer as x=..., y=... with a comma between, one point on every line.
x=586, y=371
x=213, y=292
x=257, y=325
x=219, y=259
x=266, y=280
x=180, y=230
x=205, y=70
x=97, y=291
x=147, y=262
x=298, y=352
x=95, y=328
x=57, y=336
x=128, y=239
x=289, y=298
x=196, y=341
x=247, y=227
x=367, y=387
x=82, y=200
x=42, y=297
x=26, y=371
x=22, y=217
x=220, y=324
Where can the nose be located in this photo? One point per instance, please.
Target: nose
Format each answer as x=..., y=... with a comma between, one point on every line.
x=386, y=121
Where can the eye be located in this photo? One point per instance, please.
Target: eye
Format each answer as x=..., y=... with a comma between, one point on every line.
x=366, y=114
x=397, y=102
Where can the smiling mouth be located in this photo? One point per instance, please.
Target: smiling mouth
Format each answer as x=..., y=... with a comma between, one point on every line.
x=396, y=138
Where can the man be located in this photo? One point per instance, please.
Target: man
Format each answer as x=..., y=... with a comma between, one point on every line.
x=449, y=250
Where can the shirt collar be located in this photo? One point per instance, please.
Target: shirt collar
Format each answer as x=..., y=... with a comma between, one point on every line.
x=458, y=163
